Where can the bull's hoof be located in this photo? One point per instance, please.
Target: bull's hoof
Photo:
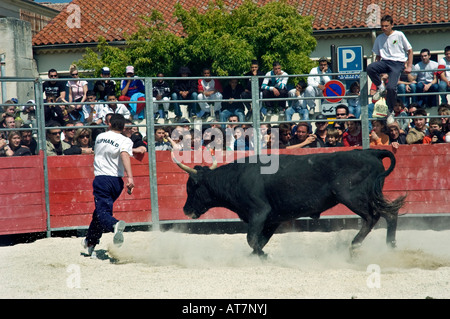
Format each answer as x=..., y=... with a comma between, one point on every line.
x=392, y=244
x=354, y=250
x=262, y=255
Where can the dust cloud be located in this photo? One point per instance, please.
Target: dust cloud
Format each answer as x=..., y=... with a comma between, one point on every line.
x=176, y=265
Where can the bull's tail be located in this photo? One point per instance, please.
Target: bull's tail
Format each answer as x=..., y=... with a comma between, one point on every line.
x=386, y=208
x=379, y=202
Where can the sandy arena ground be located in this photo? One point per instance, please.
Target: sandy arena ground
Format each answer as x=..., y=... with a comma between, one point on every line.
x=179, y=265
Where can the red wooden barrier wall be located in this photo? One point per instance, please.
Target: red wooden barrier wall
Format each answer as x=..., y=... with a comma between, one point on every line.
x=422, y=172
x=22, y=200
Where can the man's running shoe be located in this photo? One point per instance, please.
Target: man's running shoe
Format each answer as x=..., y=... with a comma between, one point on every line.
x=119, y=227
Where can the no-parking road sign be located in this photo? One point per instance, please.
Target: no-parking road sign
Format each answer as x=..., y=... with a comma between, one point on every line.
x=334, y=88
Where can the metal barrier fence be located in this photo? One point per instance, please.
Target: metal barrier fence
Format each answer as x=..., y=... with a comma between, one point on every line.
x=150, y=124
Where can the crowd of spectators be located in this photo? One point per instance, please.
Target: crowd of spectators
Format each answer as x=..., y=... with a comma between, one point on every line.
x=72, y=103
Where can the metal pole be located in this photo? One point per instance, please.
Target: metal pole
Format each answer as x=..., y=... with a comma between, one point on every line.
x=150, y=125
x=40, y=113
x=255, y=115
x=364, y=110
x=3, y=74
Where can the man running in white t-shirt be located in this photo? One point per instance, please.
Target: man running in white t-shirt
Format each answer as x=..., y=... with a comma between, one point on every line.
x=393, y=50
x=112, y=159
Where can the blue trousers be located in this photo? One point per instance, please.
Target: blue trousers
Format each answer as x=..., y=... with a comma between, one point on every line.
x=106, y=190
x=394, y=70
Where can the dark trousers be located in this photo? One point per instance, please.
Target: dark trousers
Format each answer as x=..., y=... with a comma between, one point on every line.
x=106, y=190
x=272, y=104
x=192, y=107
x=394, y=70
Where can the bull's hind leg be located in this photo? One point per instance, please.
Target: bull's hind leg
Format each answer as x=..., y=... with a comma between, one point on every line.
x=368, y=221
x=362, y=208
x=391, y=223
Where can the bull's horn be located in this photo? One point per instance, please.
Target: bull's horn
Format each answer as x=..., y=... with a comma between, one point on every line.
x=214, y=163
x=185, y=168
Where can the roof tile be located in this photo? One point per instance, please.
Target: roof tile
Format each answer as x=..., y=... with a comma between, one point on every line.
x=112, y=18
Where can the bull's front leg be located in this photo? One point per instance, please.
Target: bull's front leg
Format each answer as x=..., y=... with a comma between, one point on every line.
x=259, y=233
x=254, y=237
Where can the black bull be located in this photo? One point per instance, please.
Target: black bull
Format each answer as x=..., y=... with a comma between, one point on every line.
x=303, y=186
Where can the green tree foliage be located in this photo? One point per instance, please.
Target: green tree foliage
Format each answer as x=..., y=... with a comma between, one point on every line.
x=227, y=41
x=224, y=40
x=150, y=50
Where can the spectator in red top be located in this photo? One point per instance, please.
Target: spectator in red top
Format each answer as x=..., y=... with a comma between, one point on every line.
x=353, y=135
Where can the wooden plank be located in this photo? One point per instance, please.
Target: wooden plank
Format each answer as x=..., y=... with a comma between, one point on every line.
x=425, y=208
x=76, y=172
x=23, y=211
x=78, y=220
x=84, y=160
x=61, y=221
x=417, y=184
x=20, y=225
x=21, y=199
x=21, y=162
x=21, y=174
x=13, y=187
x=65, y=185
x=171, y=202
x=421, y=195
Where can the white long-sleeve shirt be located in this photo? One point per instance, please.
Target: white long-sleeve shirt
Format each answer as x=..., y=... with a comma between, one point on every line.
x=314, y=81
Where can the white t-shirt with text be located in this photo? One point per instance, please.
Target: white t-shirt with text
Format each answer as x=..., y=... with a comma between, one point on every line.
x=107, y=160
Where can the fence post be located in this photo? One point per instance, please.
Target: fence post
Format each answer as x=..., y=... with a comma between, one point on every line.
x=255, y=115
x=150, y=126
x=40, y=113
x=364, y=98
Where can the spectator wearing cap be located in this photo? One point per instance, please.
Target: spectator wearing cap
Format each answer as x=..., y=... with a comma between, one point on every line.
x=102, y=88
x=28, y=113
x=132, y=90
x=396, y=135
x=316, y=83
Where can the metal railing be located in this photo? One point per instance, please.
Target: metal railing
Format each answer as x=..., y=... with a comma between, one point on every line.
x=150, y=124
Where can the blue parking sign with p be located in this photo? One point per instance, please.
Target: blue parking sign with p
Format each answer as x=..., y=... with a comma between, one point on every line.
x=350, y=59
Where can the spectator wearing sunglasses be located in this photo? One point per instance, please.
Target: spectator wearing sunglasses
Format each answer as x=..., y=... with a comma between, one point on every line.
x=54, y=144
x=56, y=89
